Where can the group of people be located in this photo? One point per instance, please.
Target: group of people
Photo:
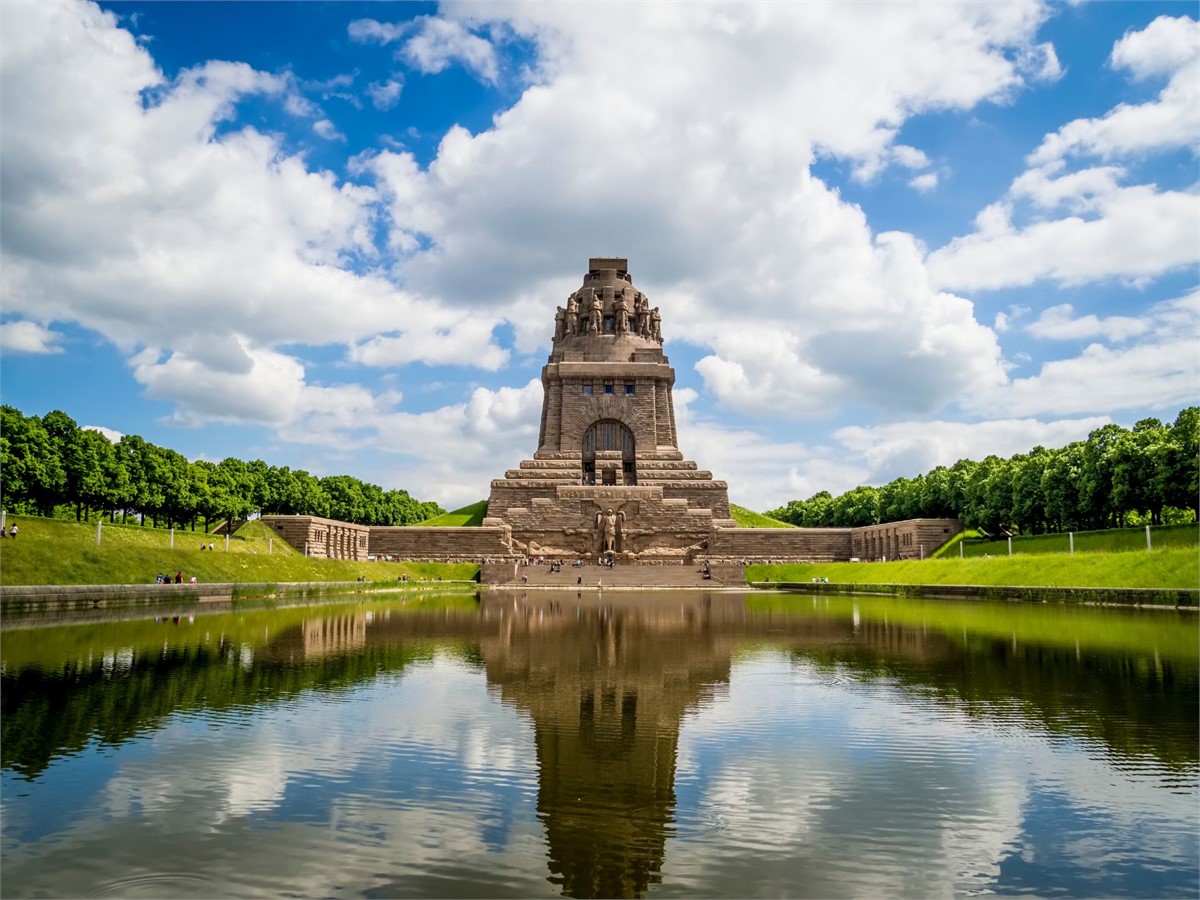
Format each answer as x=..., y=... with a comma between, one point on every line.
x=12, y=533
x=204, y=547
x=166, y=579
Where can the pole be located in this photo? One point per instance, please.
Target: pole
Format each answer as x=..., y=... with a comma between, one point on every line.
x=99, y=525
x=1148, y=547
x=1010, y=545
x=226, y=541
x=270, y=545
x=1071, y=539
x=960, y=549
x=172, y=537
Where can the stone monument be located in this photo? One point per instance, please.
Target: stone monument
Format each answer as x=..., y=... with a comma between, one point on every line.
x=608, y=479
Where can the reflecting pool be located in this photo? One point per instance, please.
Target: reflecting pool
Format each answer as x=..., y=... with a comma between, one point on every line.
x=666, y=744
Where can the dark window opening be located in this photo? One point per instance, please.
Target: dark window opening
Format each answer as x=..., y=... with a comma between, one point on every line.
x=629, y=389
x=587, y=388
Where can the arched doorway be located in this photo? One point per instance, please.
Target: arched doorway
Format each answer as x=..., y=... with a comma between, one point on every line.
x=608, y=435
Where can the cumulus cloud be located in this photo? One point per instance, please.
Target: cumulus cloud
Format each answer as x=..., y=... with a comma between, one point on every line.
x=432, y=44
x=141, y=220
x=1168, y=47
x=1109, y=229
x=1061, y=323
x=28, y=337
x=1157, y=366
x=112, y=435
x=326, y=129
x=1136, y=232
x=385, y=95
x=910, y=448
x=924, y=183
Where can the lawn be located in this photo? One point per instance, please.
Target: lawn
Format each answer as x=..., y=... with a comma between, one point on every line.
x=1167, y=568
x=50, y=551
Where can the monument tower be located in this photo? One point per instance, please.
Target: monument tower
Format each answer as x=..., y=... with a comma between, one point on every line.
x=608, y=478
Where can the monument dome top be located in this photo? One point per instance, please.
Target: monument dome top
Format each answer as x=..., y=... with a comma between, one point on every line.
x=607, y=309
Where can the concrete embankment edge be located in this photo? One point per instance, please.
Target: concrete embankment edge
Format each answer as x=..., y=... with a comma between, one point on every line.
x=1176, y=597
x=21, y=599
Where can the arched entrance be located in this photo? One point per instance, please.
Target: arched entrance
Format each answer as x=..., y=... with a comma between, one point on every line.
x=606, y=436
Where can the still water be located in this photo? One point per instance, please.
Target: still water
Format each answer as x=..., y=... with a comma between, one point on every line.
x=625, y=745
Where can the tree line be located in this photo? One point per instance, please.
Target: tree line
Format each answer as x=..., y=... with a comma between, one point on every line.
x=1117, y=477
x=49, y=465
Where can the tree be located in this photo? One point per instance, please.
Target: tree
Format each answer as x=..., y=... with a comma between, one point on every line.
x=856, y=507
x=1060, y=488
x=30, y=469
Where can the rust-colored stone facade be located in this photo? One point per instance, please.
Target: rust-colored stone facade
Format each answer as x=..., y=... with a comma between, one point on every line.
x=608, y=479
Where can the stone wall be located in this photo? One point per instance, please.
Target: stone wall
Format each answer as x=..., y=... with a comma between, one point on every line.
x=429, y=544
x=909, y=539
x=760, y=545
x=322, y=538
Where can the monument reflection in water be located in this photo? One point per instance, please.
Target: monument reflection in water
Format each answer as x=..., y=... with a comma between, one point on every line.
x=704, y=744
x=607, y=686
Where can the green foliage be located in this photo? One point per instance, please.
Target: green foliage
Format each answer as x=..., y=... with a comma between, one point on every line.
x=49, y=463
x=51, y=551
x=466, y=517
x=1117, y=477
x=747, y=519
x=1168, y=568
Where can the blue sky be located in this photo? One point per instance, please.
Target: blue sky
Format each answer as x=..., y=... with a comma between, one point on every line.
x=333, y=235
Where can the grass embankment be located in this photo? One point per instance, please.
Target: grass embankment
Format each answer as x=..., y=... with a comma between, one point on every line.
x=467, y=517
x=49, y=551
x=746, y=518
x=1112, y=540
x=1168, y=568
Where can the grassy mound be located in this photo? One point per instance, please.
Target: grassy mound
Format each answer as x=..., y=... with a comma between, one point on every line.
x=1168, y=568
x=467, y=517
x=1112, y=540
x=746, y=518
x=49, y=551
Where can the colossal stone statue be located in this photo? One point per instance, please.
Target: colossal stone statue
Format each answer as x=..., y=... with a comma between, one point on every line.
x=596, y=319
x=606, y=523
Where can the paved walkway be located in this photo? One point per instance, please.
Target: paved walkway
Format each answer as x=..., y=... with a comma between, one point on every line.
x=627, y=575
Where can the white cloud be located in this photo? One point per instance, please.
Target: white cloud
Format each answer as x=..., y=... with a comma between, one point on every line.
x=1166, y=47
x=1134, y=232
x=142, y=222
x=385, y=95
x=1061, y=323
x=910, y=448
x=1160, y=370
x=112, y=435
x=28, y=337
x=369, y=31
x=326, y=129
x=924, y=183
x=438, y=43
x=909, y=157
x=1161, y=48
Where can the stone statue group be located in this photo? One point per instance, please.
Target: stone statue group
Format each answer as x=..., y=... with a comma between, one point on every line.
x=630, y=316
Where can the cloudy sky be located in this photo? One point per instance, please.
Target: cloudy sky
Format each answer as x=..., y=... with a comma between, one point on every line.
x=333, y=236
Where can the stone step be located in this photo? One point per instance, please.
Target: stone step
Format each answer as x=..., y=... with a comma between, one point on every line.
x=622, y=575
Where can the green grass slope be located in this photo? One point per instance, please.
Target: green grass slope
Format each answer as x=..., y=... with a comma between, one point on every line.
x=1112, y=540
x=48, y=551
x=746, y=518
x=467, y=517
x=1168, y=568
